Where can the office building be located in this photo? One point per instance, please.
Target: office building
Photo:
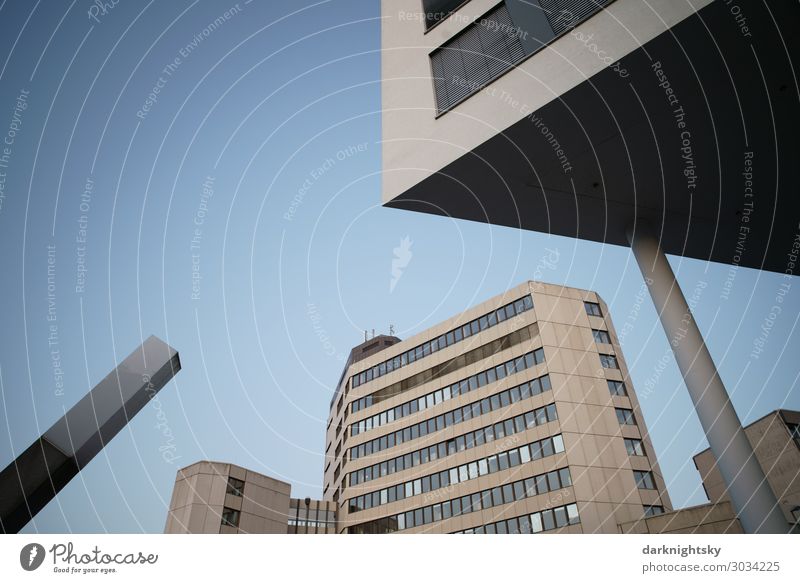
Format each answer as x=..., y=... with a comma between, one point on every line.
x=609, y=121
x=517, y=415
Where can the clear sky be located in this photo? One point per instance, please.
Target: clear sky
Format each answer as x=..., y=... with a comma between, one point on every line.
x=209, y=172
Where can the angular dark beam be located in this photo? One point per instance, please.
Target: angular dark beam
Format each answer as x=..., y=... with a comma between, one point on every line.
x=29, y=482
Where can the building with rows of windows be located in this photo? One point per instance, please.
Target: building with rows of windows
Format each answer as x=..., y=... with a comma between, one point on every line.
x=517, y=415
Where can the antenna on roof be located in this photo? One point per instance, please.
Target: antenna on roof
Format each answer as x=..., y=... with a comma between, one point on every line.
x=365, y=335
x=391, y=329
x=373, y=332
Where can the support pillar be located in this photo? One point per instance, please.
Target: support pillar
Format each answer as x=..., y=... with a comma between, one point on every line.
x=751, y=495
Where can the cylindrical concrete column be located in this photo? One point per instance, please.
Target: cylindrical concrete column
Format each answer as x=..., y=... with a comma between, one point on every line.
x=753, y=499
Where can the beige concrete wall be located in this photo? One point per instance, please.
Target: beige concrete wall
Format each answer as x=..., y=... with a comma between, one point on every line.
x=705, y=519
x=199, y=496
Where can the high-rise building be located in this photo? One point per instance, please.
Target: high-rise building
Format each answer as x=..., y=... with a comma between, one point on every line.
x=517, y=415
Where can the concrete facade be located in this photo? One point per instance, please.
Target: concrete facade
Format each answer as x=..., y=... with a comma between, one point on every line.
x=602, y=473
x=212, y=497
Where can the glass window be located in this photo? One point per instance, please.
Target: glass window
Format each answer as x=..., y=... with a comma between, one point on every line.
x=235, y=487
x=634, y=446
x=483, y=467
x=536, y=522
x=545, y=381
x=548, y=520
x=558, y=443
x=617, y=388
x=541, y=484
x=508, y=493
x=541, y=416
x=525, y=454
x=625, y=416
x=552, y=481
x=230, y=517
x=492, y=461
x=473, y=470
x=502, y=460
x=457, y=335
x=572, y=513
x=551, y=412
x=514, y=458
x=592, y=308
x=561, y=517
x=500, y=371
x=508, y=425
x=499, y=431
x=466, y=330
x=519, y=423
x=463, y=476
x=601, y=337
x=515, y=395
x=497, y=496
x=456, y=504
x=446, y=510
x=609, y=361
x=564, y=477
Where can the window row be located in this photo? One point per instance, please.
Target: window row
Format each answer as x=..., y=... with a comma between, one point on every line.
x=625, y=416
x=617, y=388
x=462, y=387
x=531, y=523
x=644, y=480
x=469, y=471
x=465, y=413
x=609, y=361
x=634, y=446
x=456, y=363
x=469, y=440
x=457, y=335
x=493, y=497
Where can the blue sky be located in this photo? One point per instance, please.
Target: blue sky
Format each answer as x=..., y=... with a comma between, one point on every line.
x=238, y=217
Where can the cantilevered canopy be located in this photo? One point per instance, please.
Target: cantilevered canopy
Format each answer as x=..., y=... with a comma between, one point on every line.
x=696, y=130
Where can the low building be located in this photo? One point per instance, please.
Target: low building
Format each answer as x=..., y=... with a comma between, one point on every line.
x=775, y=439
x=213, y=497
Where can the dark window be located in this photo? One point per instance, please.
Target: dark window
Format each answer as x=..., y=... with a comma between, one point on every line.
x=235, y=487
x=593, y=309
x=617, y=388
x=601, y=336
x=653, y=510
x=625, y=416
x=230, y=517
x=608, y=361
x=634, y=446
x=644, y=480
